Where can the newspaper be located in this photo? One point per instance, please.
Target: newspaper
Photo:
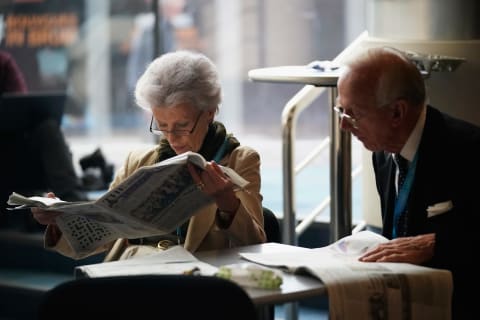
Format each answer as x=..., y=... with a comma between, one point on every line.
x=175, y=260
x=366, y=290
x=154, y=200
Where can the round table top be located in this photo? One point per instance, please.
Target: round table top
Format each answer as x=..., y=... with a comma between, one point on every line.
x=296, y=74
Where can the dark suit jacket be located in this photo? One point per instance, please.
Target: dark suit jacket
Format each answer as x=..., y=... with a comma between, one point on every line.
x=447, y=170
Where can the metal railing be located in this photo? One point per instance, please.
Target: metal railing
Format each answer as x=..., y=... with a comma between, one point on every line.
x=340, y=167
x=340, y=158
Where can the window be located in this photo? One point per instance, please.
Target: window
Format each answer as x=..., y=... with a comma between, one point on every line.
x=95, y=51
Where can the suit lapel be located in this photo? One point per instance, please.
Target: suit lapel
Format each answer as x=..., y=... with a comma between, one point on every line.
x=385, y=178
x=428, y=180
x=388, y=171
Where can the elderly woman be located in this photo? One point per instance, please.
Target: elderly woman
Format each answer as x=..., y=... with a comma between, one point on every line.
x=182, y=91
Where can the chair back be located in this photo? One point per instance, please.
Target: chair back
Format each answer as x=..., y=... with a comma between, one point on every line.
x=271, y=226
x=176, y=297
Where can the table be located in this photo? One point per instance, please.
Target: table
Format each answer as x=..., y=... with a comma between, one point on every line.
x=294, y=287
x=295, y=74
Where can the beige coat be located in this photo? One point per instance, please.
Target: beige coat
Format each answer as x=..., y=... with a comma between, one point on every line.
x=203, y=233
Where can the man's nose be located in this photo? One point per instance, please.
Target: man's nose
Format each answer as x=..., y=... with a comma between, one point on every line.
x=344, y=124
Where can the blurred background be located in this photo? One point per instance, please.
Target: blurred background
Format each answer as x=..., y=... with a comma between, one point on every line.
x=95, y=50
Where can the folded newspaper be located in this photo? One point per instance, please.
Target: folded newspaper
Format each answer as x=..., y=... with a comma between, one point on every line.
x=174, y=260
x=154, y=200
x=368, y=290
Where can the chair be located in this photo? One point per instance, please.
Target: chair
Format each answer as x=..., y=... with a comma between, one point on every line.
x=271, y=226
x=272, y=230
x=176, y=297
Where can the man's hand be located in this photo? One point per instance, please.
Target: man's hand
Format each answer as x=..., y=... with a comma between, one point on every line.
x=416, y=250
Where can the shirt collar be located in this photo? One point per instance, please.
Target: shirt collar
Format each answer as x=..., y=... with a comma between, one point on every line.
x=410, y=148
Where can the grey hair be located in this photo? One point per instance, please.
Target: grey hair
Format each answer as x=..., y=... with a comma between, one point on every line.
x=179, y=77
x=392, y=75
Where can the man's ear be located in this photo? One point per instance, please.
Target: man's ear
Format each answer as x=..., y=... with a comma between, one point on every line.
x=399, y=111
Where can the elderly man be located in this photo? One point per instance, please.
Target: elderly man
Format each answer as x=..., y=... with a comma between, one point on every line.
x=425, y=163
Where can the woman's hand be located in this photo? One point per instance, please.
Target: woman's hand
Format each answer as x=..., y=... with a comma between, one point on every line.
x=215, y=183
x=45, y=217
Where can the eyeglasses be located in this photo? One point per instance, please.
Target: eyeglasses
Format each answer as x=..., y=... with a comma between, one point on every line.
x=343, y=116
x=353, y=122
x=177, y=132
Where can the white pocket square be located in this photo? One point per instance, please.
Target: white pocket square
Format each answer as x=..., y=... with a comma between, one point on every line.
x=439, y=208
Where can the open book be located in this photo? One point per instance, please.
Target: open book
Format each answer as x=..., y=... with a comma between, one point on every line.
x=154, y=200
x=366, y=290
